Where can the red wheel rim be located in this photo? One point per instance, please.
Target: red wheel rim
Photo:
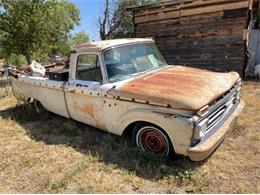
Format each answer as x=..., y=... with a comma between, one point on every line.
x=152, y=140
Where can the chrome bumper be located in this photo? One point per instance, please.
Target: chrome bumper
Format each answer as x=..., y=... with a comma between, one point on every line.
x=203, y=149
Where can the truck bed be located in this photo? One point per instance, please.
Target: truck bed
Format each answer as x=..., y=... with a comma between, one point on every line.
x=49, y=92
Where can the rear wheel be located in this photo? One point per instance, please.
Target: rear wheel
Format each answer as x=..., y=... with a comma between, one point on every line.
x=39, y=108
x=153, y=139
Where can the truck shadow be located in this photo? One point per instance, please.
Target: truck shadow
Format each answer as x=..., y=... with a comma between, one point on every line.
x=103, y=146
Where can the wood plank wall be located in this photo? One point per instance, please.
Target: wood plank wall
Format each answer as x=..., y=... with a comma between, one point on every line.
x=208, y=34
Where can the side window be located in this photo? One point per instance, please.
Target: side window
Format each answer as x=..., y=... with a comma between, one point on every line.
x=88, y=68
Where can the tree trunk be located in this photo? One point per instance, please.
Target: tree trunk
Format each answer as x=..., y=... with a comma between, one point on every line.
x=103, y=23
x=28, y=58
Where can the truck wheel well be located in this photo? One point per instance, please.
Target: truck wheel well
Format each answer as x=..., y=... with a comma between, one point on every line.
x=129, y=133
x=40, y=109
x=129, y=129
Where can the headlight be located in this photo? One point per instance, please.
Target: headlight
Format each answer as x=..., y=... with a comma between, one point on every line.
x=203, y=125
x=200, y=130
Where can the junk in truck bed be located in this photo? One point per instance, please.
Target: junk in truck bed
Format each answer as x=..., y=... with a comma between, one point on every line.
x=59, y=75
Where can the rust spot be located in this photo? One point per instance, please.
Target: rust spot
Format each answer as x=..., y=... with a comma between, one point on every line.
x=177, y=87
x=90, y=112
x=165, y=115
x=86, y=109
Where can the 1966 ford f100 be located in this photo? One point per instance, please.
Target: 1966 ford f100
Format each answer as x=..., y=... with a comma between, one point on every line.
x=125, y=85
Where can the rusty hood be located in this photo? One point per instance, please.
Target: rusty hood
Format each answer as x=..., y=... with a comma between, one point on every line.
x=177, y=87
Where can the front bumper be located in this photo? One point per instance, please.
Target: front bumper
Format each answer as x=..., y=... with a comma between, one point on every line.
x=203, y=149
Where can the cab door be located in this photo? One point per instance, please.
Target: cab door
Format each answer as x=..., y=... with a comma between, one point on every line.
x=83, y=93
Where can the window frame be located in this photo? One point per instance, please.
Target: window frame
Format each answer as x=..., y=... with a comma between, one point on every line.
x=98, y=60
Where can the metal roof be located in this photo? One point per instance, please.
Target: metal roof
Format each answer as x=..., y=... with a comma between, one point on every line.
x=102, y=45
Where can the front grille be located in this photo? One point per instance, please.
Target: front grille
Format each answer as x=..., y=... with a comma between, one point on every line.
x=217, y=110
x=222, y=100
x=220, y=112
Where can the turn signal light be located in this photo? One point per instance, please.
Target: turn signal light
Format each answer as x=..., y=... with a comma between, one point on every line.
x=203, y=111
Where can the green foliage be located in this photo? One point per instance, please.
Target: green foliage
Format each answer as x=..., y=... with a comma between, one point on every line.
x=126, y=27
x=12, y=58
x=64, y=46
x=79, y=38
x=16, y=60
x=35, y=26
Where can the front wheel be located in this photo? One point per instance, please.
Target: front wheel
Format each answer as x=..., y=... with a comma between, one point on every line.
x=151, y=138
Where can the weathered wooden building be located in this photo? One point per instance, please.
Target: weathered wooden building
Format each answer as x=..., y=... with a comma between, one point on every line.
x=210, y=34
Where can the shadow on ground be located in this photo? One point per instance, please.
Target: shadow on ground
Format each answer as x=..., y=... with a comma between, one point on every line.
x=107, y=148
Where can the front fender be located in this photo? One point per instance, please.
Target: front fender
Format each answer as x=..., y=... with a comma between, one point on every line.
x=179, y=128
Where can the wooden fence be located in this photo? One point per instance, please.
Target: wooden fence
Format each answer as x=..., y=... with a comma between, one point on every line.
x=208, y=34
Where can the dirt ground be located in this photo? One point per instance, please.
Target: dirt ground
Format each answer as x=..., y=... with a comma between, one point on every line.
x=50, y=154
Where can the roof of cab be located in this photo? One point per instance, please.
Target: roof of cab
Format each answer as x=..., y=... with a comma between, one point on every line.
x=102, y=45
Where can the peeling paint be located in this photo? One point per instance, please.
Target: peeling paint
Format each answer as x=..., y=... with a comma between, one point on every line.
x=91, y=114
x=86, y=109
x=165, y=115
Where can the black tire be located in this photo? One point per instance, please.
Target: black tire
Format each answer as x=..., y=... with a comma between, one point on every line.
x=149, y=137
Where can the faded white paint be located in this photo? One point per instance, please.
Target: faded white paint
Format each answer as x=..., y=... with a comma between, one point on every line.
x=90, y=104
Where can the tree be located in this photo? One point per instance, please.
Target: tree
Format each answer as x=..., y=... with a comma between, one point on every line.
x=116, y=21
x=79, y=38
x=16, y=60
x=30, y=26
x=64, y=46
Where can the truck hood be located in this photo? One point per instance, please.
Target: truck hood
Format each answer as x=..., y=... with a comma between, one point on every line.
x=177, y=87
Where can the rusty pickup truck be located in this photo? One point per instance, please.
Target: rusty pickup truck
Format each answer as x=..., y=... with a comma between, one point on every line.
x=126, y=86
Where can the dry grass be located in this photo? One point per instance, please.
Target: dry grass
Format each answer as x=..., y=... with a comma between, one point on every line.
x=56, y=155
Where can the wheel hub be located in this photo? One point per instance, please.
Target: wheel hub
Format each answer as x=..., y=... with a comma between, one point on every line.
x=153, y=141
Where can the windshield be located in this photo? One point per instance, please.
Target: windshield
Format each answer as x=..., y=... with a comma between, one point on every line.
x=127, y=61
